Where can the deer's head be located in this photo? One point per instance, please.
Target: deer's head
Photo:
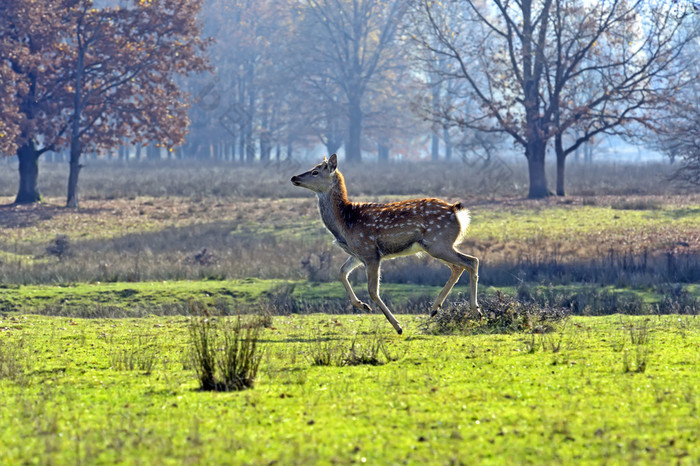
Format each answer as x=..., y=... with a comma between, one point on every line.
x=319, y=178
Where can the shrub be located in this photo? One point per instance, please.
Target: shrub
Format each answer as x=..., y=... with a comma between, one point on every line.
x=59, y=247
x=500, y=313
x=678, y=300
x=225, y=351
x=637, y=364
x=325, y=351
x=370, y=348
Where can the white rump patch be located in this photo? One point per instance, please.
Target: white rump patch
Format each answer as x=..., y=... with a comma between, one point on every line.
x=463, y=217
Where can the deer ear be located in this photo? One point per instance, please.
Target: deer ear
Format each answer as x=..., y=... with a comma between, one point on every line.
x=333, y=162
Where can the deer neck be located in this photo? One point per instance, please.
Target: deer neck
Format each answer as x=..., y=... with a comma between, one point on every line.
x=335, y=207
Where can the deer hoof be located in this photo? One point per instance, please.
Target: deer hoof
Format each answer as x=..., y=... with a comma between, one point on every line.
x=434, y=312
x=399, y=330
x=362, y=306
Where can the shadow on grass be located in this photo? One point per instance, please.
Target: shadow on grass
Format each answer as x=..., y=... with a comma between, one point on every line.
x=28, y=215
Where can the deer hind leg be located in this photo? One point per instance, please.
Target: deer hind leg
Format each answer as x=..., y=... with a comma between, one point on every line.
x=351, y=264
x=454, y=278
x=373, y=288
x=469, y=263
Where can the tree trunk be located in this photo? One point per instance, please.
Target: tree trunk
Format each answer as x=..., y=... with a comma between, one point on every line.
x=561, y=163
x=448, y=143
x=382, y=153
x=265, y=145
x=250, y=144
x=535, y=153
x=332, y=145
x=588, y=152
x=435, y=147
x=28, y=157
x=75, y=167
x=75, y=145
x=435, y=139
x=152, y=152
x=241, y=147
x=354, y=148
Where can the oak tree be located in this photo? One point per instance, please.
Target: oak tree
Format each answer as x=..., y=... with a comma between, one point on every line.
x=122, y=75
x=32, y=100
x=94, y=77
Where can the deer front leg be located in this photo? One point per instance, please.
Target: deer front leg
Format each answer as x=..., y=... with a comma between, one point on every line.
x=350, y=265
x=373, y=288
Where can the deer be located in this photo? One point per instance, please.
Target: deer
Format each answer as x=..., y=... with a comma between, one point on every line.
x=372, y=232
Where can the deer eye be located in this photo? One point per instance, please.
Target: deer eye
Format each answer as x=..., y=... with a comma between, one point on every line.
x=314, y=173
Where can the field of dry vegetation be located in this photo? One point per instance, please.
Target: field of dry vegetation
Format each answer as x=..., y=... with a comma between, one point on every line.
x=622, y=225
x=166, y=258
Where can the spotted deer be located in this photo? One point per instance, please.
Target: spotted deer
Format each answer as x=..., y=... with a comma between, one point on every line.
x=372, y=232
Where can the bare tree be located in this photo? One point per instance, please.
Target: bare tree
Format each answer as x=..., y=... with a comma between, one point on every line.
x=350, y=42
x=391, y=123
x=625, y=72
x=524, y=61
x=676, y=130
x=244, y=107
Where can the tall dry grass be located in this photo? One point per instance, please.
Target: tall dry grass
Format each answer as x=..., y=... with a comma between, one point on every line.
x=226, y=231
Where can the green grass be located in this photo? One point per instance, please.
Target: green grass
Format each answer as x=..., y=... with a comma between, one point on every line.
x=138, y=294
x=561, y=223
x=471, y=399
x=138, y=297
x=167, y=297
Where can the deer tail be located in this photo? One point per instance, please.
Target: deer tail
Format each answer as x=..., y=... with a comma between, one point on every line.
x=463, y=217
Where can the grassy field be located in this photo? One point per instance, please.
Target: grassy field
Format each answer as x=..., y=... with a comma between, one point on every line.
x=176, y=238
x=96, y=355
x=613, y=390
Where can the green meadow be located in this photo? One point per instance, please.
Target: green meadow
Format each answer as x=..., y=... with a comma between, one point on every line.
x=97, y=360
x=614, y=390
